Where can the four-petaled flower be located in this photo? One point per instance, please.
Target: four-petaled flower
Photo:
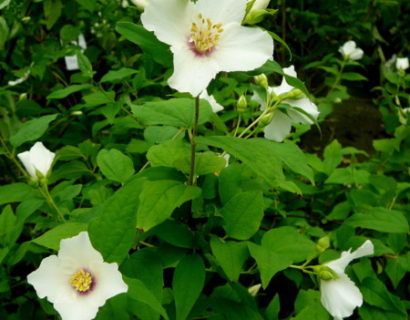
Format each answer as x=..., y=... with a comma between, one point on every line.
x=350, y=52
x=402, y=63
x=77, y=281
x=340, y=296
x=37, y=159
x=281, y=123
x=206, y=37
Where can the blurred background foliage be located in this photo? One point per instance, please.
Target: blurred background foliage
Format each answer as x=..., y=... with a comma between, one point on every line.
x=360, y=156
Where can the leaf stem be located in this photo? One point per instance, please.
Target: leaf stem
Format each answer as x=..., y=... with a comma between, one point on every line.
x=44, y=191
x=192, y=176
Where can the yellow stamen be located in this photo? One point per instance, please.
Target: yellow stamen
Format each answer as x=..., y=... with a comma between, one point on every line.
x=81, y=280
x=205, y=35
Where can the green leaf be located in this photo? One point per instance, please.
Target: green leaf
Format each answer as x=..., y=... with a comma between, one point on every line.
x=178, y=112
x=308, y=306
x=187, y=284
x=160, y=198
x=243, y=214
x=269, y=262
x=138, y=291
x=146, y=41
x=380, y=219
x=16, y=192
x=397, y=267
x=51, y=239
x=230, y=255
x=52, y=11
x=113, y=231
x=175, y=233
x=348, y=175
x=85, y=65
x=7, y=224
x=120, y=74
x=272, y=311
x=4, y=32
x=376, y=294
x=4, y=3
x=333, y=156
x=353, y=76
x=168, y=153
x=32, y=130
x=260, y=155
x=115, y=165
x=62, y=93
x=288, y=242
x=294, y=158
x=205, y=163
x=90, y=5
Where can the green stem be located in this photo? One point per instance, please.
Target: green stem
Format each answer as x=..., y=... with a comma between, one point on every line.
x=192, y=176
x=338, y=77
x=12, y=157
x=44, y=191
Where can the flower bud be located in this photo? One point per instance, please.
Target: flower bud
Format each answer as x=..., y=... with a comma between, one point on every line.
x=253, y=291
x=322, y=244
x=325, y=273
x=241, y=104
x=266, y=119
x=262, y=80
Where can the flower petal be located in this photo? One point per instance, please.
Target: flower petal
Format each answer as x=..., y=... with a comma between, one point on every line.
x=340, y=264
x=41, y=157
x=284, y=87
x=278, y=128
x=216, y=107
x=109, y=282
x=26, y=160
x=170, y=20
x=77, y=252
x=81, y=308
x=340, y=296
x=306, y=105
x=222, y=11
x=47, y=280
x=243, y=48
x=191, y=73
x=357, y=54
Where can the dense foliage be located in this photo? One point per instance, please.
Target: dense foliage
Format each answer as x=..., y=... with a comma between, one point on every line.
x=243, y=233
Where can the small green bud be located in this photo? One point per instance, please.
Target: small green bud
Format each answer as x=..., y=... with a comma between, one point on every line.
x=241, y=104
x=262, y=80
x=255, y=16
x=266, y=119
x=253, y=291
x=322, y=244
x=32, y=182
x=325, y=273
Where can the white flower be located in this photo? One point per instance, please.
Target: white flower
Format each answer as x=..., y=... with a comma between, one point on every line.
x=402, y=63
x=281, y=123
x=140, y=3
x=206, y=37
x=215, y=105
x=259, y=4
x=39, y=158
x=340, y=296
x=350, y=52
x=77, y=281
